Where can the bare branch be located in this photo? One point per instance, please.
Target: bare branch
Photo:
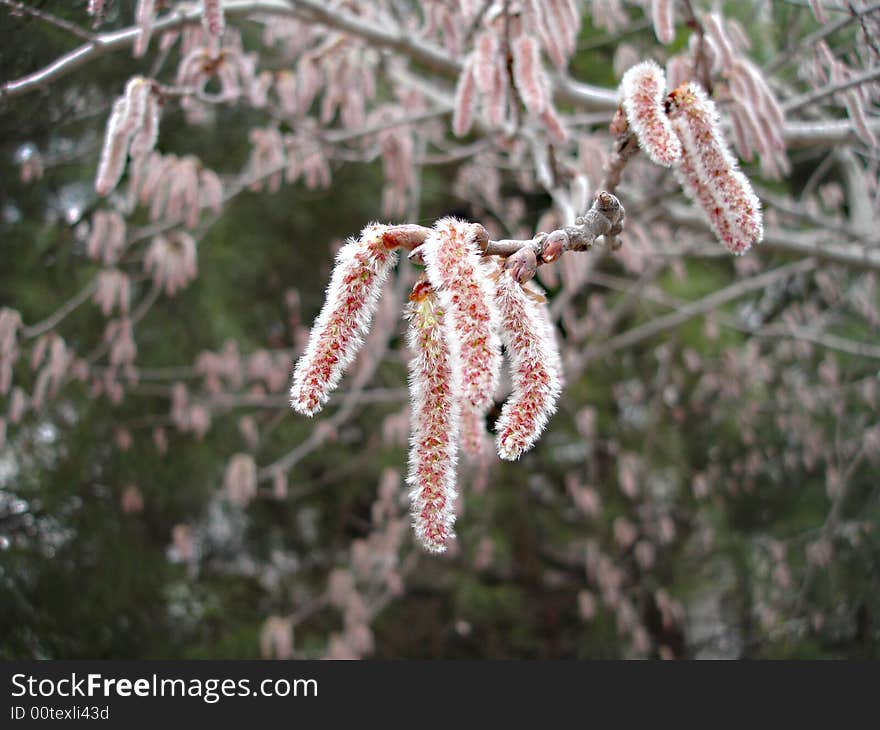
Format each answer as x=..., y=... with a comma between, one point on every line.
x=18, y=8
x=804, y=243
x=692, y=309
x=38, y=328
x=799, y=102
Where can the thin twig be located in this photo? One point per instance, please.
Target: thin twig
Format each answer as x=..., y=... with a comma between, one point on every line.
x=690, y=310
x=50, y=19
x=799, y=102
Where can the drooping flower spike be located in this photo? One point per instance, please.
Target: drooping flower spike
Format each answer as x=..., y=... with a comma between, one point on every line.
x=213, y=20
x=434, y=383
x=132, y=127
x=644, y=91
x=361, y=268
x=528, y=75
x=663, y=18
x=465, y=102
x=456, y=311
x=535, y=365
x=453, y=264
x=709, y=174
x=474, y=436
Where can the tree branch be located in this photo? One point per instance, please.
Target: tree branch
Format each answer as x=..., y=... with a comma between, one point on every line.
x=566, y=90
x=799, y=102
x=38, y=328
x=690, y=310
x=805, y=244
x=49, y=18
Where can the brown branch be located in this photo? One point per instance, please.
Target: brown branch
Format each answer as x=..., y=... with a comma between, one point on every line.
x=625, y=148
x=604, y=217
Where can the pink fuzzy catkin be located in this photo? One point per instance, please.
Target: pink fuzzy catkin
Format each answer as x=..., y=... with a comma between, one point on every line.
x=361, y=268
x=210, y=190
x=172, y=261
x=107, y=237
x=709, y=173
x=531, y=83
x=113, y=289
x=240, y=479
x=535, y=367
x=453, y=264
x=484, y=61
x=663, y=17
x=756, y=115
x=145, y=138
x=465, y=102
x=644, y=90
x=114, y=152
x=473, y=432
x=434, y=381
x=285, y=88
x=126, y=121
x=213, y=20
x=496, y=101
x=143, y=17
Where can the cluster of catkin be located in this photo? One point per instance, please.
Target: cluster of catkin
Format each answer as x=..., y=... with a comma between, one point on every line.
x=112, y=291
x=459, y=312
x=294, y=155
x=682, y=130
x=856, y=99
x=234, y=70
x=397, y=146
x=188, y=415
x=756, y=117
x=175, y=189
x=485, y=81
x=52, y=362
x=106, y=237
x=171, y=261
x=213, y=21
x=334, y=70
